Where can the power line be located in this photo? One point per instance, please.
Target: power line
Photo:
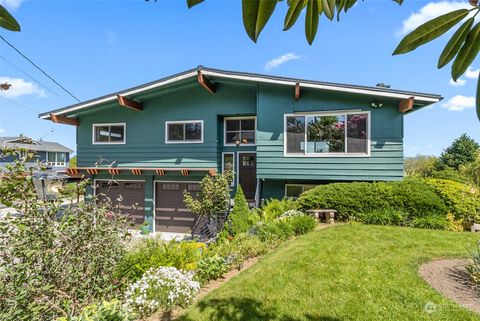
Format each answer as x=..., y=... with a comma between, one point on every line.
x=21, y=105
x=36, y=66
x=29, y=76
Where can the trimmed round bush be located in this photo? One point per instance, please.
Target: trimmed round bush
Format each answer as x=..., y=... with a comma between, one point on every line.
x=411, y=196
x=462, y=200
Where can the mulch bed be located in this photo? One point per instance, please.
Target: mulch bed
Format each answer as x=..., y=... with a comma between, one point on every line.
x=451, y=279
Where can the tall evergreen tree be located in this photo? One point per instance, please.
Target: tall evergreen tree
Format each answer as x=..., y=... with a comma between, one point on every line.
x=461, y=152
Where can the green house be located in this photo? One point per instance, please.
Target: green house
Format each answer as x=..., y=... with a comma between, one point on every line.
x=281, y=136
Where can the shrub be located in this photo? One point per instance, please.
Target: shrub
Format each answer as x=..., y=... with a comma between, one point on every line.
x=383, y=216
x=462, y=200
x=433, y=222
x=238, y=219
x=154, y=253
x=474, y=267
x=291, y=213
x=410, y=196
x=274, y=208
x=238, y=249
x=105, y=311
x=272, y=231
x=54, y=260
x=211, y=268
x=161, y=288
x=301, y=224
x=451, y=175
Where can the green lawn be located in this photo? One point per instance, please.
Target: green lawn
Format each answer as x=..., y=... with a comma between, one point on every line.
x=349, y=272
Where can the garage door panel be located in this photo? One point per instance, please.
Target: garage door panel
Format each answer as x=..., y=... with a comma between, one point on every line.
x=171, y=213
x=129, y=196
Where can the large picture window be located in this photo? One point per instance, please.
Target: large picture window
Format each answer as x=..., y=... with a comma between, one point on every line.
x=337, y=134
x=55, y=159
x=240, y=129
x=109, y=133
x=184, y=132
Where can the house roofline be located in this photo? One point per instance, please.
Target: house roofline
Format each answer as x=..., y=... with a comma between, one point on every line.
x=422, y=98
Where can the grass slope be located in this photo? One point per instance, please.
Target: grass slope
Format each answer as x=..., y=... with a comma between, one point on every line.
x=350, y=272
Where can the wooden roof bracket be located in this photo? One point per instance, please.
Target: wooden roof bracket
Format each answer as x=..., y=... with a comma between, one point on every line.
x=184, y=172
x=212, y=172
x=297, y=91
x=406, y=105
x=114, y=171
x=205, y=82
x=64, y=120
x=129, y=103
x=136, y=171
x=160, y=172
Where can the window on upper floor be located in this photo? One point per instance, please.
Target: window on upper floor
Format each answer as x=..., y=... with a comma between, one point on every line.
x=333, y=134
x=184, y=131
x=56, y=159
x=241, y=129
x=109, y=133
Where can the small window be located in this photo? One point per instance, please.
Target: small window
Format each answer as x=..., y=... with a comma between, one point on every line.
x=228, y=163
x=240, y=130
x=109, y=134
x=110, y=185
x=184, y=132
x=133, y=186
x=171, y=187
x=295, y=190
x=193, y=187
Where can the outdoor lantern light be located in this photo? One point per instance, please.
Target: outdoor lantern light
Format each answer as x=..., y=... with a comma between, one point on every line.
x=376, y=104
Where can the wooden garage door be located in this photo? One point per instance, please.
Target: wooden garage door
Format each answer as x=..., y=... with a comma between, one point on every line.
x=131, y=193
x=171, y=214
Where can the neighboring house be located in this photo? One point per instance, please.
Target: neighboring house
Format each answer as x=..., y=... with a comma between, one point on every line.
x=54, y=156
x=281, y=135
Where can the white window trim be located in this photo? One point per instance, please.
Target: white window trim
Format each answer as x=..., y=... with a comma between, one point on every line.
x=183, y=141
x=326, y=155
x=239, y=118
x=233, y=169
x=302, y=185
x=56, y=163
x=110, y=124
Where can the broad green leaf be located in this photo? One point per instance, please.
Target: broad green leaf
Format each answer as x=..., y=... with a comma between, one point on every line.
x=430, y=30
x=340, y=5
x=455, y=43
x=329, y=8
x=7, y=21
x=311, y=20
x=349, y=4
x=294, y=10
x=191, y=3
x=256, y=13
x=478, y=97
x=398, y=1
x=467, y=53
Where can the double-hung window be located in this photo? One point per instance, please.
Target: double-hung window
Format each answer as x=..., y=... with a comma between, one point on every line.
x=184, y=131
x=239, y=129
x=328, y=134
x=109, y=133
x=55, y=159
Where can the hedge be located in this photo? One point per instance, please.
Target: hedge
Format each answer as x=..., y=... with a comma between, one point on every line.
x=411, y=196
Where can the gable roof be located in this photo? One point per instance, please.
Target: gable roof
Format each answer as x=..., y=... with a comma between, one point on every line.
x=423, y=99
x=34, y=145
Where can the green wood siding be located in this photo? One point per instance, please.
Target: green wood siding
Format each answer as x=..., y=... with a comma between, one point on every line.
x=145, y=131
x=384, y=163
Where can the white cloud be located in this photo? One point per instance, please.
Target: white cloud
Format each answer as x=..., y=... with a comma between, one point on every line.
x=11, y=4
x=459, y=103
x=430, y=11
x=274, y=63
x=20, y=87
x=459, y=83
x=472, y=73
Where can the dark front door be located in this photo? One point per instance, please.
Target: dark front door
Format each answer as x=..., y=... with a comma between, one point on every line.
x=247, y=173
x=171, y=214
x=129, y=196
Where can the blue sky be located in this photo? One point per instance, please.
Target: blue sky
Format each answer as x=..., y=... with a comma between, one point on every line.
x=98, y=47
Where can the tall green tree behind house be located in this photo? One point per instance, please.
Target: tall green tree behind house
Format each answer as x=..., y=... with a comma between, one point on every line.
x=462, y=151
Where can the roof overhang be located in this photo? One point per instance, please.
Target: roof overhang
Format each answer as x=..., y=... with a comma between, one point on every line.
x=421, y=99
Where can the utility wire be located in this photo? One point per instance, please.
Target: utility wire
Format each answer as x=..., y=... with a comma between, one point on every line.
x=21, y=105
x=36, y=66
x=28, y=75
